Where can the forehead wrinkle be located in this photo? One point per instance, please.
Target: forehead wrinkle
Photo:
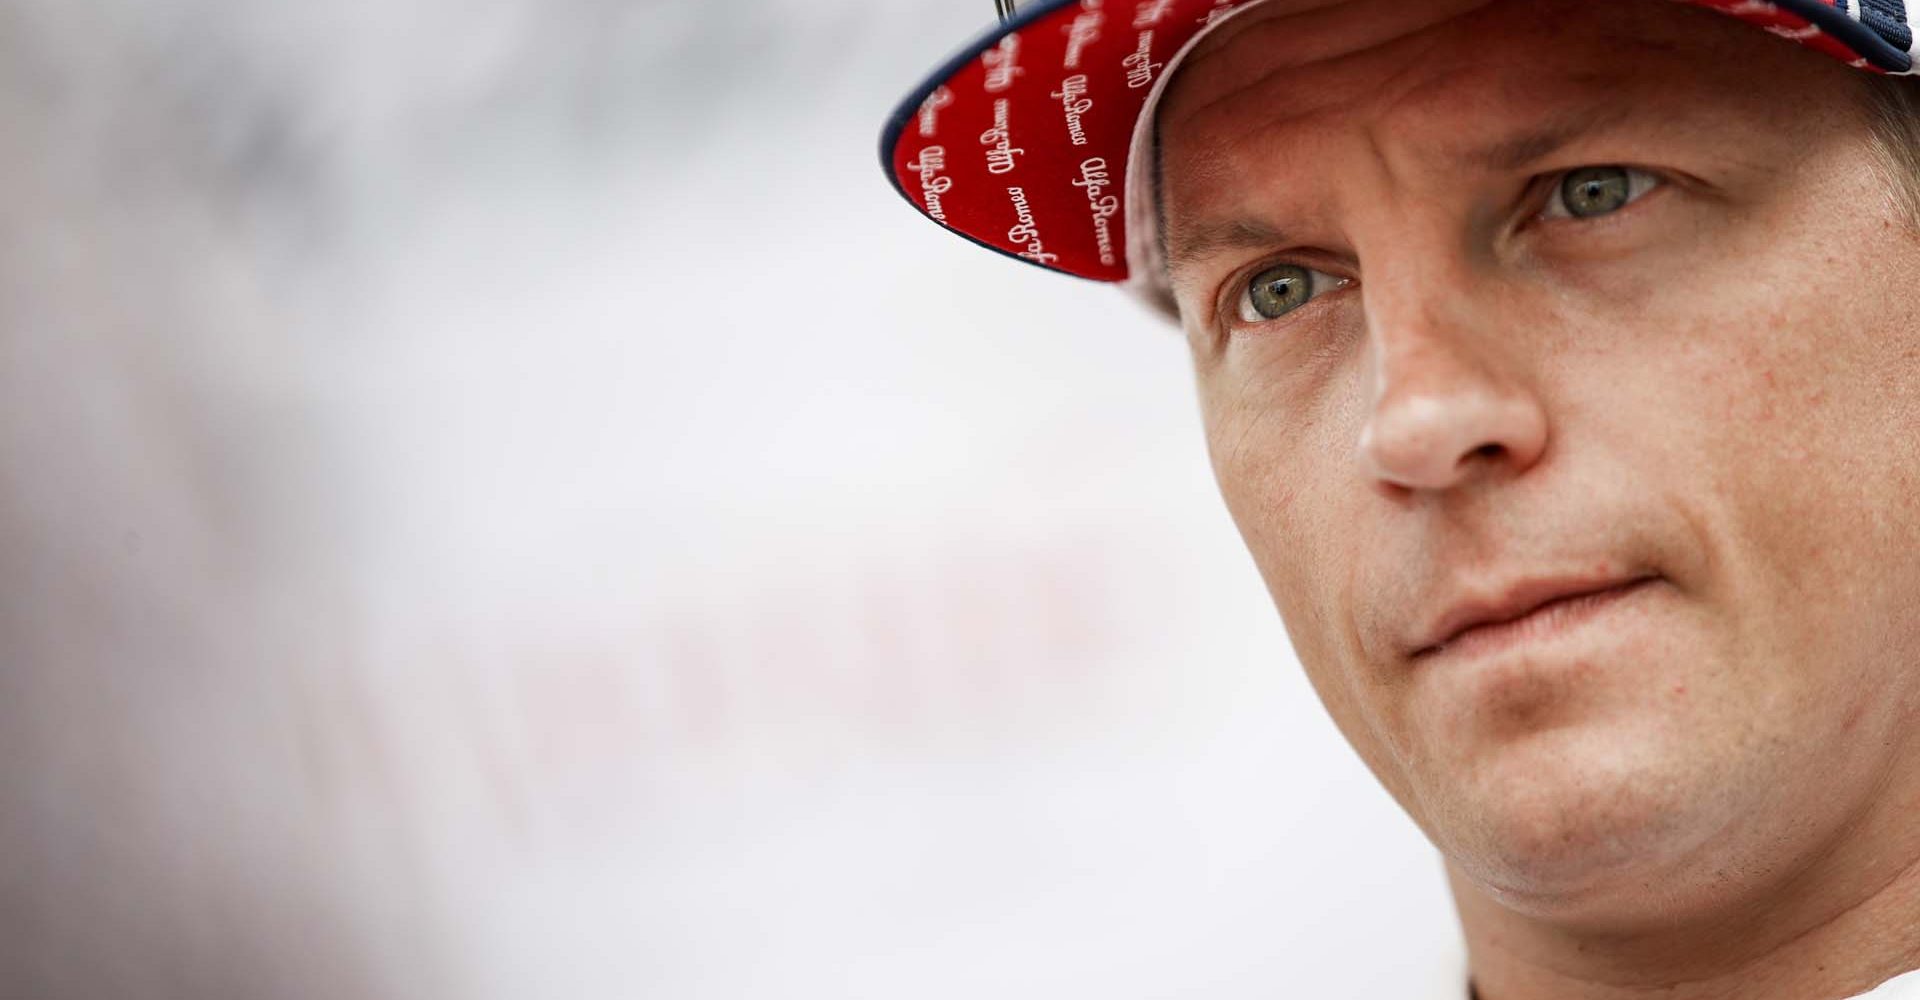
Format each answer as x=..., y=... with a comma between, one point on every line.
x=1534, y=115
x=1252, y=64
x=1344, y=41
x=1528, y=113
x=1396, y=32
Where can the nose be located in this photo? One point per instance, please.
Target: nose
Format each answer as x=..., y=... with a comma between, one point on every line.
x=1449, y=399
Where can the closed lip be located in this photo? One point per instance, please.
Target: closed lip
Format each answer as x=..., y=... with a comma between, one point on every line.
x=1510, y=603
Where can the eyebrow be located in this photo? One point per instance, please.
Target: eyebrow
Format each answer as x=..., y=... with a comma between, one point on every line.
x=1197, y=244
x=1205, y=242
x=1533, y=145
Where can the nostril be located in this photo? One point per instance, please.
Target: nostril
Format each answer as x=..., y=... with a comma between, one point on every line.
x=1488, y=451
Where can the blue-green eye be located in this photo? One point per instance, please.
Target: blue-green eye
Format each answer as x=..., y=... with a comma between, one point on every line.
x=1280, y=289
x=1591, y=192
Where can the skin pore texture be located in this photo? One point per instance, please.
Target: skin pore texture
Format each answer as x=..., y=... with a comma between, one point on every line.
x=1701, y=405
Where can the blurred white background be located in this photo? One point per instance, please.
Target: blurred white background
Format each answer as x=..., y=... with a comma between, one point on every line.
x=501, y=500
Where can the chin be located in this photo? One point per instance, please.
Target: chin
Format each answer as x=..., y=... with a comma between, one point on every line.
x=1582, y=825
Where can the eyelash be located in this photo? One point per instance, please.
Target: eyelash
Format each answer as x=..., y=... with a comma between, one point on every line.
x=1640, y=184
x=1242, y=307
x=1239, y=312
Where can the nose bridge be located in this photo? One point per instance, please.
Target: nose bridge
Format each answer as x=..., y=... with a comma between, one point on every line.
x=1419, y=326
x=1449, y=393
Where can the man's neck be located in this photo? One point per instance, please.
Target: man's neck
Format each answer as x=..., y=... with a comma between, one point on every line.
x=1846, y=923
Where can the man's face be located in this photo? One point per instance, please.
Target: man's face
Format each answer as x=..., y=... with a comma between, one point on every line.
x=1608, y=299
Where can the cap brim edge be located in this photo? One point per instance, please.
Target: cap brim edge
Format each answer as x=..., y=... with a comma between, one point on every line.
x=908, y=110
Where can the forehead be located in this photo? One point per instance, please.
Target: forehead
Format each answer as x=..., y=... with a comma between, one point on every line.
x=1451, y=77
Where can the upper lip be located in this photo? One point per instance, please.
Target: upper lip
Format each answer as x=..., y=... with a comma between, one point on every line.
x=1510, y=602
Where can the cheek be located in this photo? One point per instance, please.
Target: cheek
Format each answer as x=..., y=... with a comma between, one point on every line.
x=1797, y=386
x=1284, y=463
x=1283, y=422
x=1773, y=395
x=1289, y=477
x=1263, y=500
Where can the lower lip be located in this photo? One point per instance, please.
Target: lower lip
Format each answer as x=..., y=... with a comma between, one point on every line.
x=1545, y=622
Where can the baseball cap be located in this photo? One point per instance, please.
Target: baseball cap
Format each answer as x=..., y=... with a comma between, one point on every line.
x=1034, y=140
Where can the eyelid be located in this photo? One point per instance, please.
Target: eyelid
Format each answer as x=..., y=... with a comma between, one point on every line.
x=1640, y=183
x=1236, y=295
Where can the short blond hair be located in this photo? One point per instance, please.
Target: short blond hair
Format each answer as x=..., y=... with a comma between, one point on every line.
x=1893, y=107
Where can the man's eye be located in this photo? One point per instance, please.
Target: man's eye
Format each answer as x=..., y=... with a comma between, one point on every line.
x=1282, y=288
x=1590, y=192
